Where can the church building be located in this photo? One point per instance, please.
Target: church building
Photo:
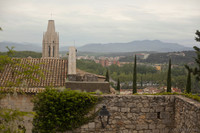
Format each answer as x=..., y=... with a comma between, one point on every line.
x=50, y=45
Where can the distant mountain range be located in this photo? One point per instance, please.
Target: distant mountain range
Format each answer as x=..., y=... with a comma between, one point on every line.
x=20, y=46
x=134, y=46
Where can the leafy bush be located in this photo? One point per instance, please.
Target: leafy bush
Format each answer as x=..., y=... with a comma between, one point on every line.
x=61, y=110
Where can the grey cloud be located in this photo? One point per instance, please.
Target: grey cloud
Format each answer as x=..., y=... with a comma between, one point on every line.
x=102, y=21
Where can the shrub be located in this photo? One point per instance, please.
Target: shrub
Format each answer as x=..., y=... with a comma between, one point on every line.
x=61, y=110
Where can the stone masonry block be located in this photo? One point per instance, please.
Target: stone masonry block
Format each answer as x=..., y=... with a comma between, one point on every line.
x=141, y=126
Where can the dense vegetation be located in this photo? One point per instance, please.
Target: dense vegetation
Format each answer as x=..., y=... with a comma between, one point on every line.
x=58, y=111
x=24, y=54
x=90, y=66
x=164, y=58
x=145, y=74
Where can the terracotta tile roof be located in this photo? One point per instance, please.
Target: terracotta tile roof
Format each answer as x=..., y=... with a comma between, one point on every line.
x=55, y=72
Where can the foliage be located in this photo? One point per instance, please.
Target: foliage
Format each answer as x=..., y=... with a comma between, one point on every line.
x=148, y=73
x=21, y=72
x=169, y=77
x=118, y=85
x=107, y=76
x=11, y=121
x=178, y=58
x=196, y=70
x=61, y=111
x=90, y=66
x=135, y=77
x=188, y=86
x=192, y=96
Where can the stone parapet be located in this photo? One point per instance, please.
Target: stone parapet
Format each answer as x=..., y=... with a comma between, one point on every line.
x=130, y=114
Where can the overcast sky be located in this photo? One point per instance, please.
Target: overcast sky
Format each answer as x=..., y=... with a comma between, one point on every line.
x=101, y=21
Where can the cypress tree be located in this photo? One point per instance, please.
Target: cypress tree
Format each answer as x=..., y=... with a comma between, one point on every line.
x=196, y=70
x=135, y=77
x=169, y=77
x=188, y=86
x=107, y=76
x=118, y=85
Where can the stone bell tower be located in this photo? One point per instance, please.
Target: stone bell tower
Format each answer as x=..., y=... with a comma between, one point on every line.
x=50, y=45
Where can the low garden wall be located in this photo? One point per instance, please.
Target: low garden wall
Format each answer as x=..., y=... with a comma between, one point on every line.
x=187, y=115
x=130, y=114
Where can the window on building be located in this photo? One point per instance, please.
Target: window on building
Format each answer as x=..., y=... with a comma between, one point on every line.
x=49, y=51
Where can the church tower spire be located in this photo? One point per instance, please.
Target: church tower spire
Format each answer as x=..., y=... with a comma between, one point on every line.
x=50, y=45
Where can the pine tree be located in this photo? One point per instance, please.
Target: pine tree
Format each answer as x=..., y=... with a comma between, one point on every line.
x=169, y=77
x=196, y=70
x=135, y=77
x=188, y=86
x=107, y=76
x=118, y=84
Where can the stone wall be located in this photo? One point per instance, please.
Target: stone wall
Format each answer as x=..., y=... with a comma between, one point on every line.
x=134, y=114
x=130, y=114
x=88, y=86
x=187, y=115
x=21, y=102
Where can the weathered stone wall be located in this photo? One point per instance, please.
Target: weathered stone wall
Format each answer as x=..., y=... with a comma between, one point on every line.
x=130, y=114
x=187, y=115
x=135, y=114
x=21, y=102
x=88, y=86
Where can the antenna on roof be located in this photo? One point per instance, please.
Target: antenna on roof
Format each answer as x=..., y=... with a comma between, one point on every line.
x=51, y=15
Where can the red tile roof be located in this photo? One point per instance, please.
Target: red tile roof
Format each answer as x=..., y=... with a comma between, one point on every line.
x=55, y=72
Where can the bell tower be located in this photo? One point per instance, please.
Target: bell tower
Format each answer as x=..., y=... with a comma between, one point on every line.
x=50, y=44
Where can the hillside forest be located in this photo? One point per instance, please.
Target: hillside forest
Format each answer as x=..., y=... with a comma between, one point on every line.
x=146, y=74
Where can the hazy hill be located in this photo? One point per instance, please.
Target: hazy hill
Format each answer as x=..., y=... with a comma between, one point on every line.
x=20, y=46
x=145, y=45
x=134, y=46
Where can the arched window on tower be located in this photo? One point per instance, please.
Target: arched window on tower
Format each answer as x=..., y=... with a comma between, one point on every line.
x=53, y=50
x=49, y=51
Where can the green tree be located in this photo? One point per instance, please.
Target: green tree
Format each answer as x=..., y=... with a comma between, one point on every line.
x=169, y=77
x=188, y=86
x=107, y=76
x=118, y=85
x=135, y=77
x=196, y=70
x=9, y=118
x=59, y=111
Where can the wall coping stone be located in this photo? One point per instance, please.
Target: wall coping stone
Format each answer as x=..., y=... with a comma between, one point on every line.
x=189, y=100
